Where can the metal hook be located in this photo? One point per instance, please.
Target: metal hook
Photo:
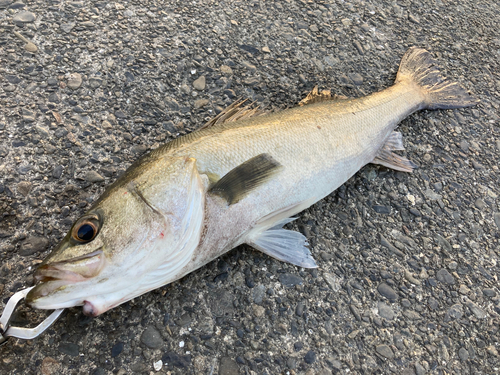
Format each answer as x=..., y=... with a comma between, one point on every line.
x=22, y=333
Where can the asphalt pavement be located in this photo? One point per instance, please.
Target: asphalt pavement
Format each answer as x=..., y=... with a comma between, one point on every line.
x=408, y=263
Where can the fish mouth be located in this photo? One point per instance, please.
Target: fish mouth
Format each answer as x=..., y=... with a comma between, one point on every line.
x=72, y=270
x=53, y=278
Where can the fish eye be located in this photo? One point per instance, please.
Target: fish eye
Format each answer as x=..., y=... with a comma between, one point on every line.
x=85, y=231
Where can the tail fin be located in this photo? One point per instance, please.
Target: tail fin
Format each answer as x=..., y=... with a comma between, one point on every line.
x=418, y=66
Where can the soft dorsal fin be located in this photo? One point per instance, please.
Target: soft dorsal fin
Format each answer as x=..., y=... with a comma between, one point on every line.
x=389, y=159
x=234, y=112
x=244, y=178
x=315, y=96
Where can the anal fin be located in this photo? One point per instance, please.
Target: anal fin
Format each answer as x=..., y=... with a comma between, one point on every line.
x=285, y=245
x=389, y=159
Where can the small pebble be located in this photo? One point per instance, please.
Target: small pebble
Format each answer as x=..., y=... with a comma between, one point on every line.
x=74, y=81
x=199, y=84
x=386, y=291
x=24, y=17
x=158, y=365
x=385, y=351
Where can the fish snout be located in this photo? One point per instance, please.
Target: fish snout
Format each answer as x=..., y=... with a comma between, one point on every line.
x=72, y=270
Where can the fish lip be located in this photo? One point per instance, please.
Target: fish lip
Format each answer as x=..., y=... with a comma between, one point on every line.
x=58, y=271
x=52, y=273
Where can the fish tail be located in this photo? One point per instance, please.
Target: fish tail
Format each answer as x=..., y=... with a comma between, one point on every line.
x=420, y=67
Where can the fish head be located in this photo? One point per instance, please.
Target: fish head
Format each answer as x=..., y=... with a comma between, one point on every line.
x=128, y=243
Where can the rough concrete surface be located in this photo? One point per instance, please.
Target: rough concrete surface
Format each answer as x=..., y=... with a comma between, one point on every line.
x=408, y=264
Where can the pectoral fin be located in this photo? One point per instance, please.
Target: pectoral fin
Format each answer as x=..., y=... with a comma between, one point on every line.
x=238, y=182
x=388, y=159
x=285, y=245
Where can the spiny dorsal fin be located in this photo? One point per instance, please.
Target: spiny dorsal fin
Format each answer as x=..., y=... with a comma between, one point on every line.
x=234, y=112
x=389, y=159
x=244, y=178
x=315, y=97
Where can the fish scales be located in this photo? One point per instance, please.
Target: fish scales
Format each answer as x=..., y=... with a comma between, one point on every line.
x=199, y=196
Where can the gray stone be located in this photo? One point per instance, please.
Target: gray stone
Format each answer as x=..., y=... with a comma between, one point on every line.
x=290, y=280
x=463, y=354
x=385, y=311
x=151, y=338
x=310, y=357
x=221, y=303
x=249, y=66
x=33, y=245
x=291, y=363
x=386, y=291
x=11, y=78
x=299, y=309
x=74, y=81
x=93, y=176
x=172, y=104
x=445, y=277
x=419, y=369
x=57, y=171
x=24, y=17
x=476, y=310
x=88, y=24
x=95, y=82
x=24, y=187
x=200, y=103
x=385, y=351
x=67, y=27
x=258, y=293
x=411, y=315
x=454, y=312
x=54, y=98
x=488, y=292
x=199, y=84
x=139, y=149
x=5, y=3
x=391, y=247
x=356, y=78
x=228, y=366
x=332, y=280
x=443, y=242
x=226, y=70
x=496, y=218
x=432, y=195
x=69, y=349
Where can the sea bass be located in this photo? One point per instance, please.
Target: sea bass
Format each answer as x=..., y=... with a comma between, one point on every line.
x=231, y=183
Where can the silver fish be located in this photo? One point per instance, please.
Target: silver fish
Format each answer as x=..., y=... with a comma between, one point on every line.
x=234, y=182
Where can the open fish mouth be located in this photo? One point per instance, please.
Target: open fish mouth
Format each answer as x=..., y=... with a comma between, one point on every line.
x=57, y=276
x=52, y=273
x=72, y=270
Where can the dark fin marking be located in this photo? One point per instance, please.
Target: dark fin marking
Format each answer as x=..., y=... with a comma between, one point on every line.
x=285, y=245
x=388, y=159
x=244, y=178
x=419, y=66
x=316, y=97
x=236, y=111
